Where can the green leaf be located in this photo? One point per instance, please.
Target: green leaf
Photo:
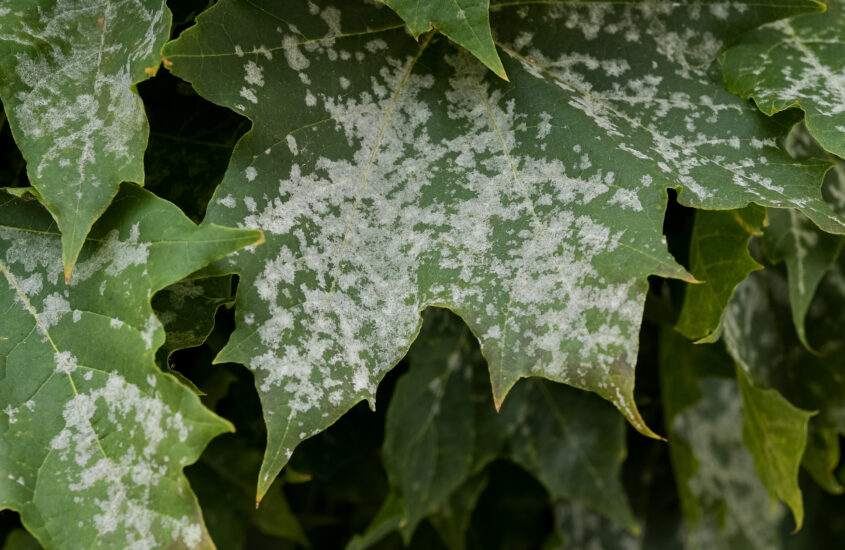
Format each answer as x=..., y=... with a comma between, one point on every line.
x=466, y=22
x=574, y=444
x=821, y=457
x=429, y=432
x=797, y=62
x=442, y=430
x=19, y=539
x=775, y=431
x=579, y=527
x=453, y=520
x=187, y=308
x=223, y=479
x=92, y=431
x=388, y=519
x=724, y=502
x=719, y=257
x=68, y=89
x=390, y=175
x=790, y=237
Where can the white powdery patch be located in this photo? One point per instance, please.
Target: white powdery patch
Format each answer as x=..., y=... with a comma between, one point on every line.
x=113, y=256
x=65, y=362
x=120, y=485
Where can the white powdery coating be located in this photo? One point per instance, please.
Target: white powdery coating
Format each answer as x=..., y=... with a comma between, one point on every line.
x=65, y=362
x=129, y=477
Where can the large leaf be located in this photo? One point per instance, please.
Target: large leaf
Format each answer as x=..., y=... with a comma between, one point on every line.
x=93, y=436
x=719, y=257
x=800, y=63
x=390, y=175
x=68, y=69
x=725, y=504
x=467, y=23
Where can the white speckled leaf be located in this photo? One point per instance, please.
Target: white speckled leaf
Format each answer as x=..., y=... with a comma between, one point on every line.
x=93, y=436
x=67, y=69
x=389, y=175
x=800, y=63
x=466, y=22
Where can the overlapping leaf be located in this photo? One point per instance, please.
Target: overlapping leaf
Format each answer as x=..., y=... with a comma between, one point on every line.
x=93, y=436
x=466, y=22
x=68, y=69
x=725, y=504
x=442, y=430
x=800, y=63
x=719, y=258
x=390, y=175
x=791, y=238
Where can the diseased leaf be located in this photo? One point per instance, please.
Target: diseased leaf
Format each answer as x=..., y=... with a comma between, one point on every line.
x=91, y=431
x=719, y=257
x=725, y=504
x=790, y=237
x=390, y=175
x=797, y=62
x=579, y=527
x=442, y=430
x=429, y=432
x=187, y=308
x=761, y=339
x=69, y=67
x=466, y=22
x=775, y=432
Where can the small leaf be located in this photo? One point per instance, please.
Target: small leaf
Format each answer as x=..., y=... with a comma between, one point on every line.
x=91, y=431
x=775, y=431
x=466, y=22
x=798, y=62
x=725, y=504
x=719, y=257
x=821, y=457
x=70, y=68
x=187, y=308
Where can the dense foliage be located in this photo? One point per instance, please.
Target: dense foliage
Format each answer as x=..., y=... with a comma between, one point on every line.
x=228, y=231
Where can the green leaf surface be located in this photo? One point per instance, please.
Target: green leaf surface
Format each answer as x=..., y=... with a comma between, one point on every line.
x=19, y=539
x=93, y=436
x=390, y=175
x=775, y=432
x=466, y=22
x=797, y=62
x=725, y=504
x=388, y=519
x=719, y=257
x=68, y=73
x=821, y=457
